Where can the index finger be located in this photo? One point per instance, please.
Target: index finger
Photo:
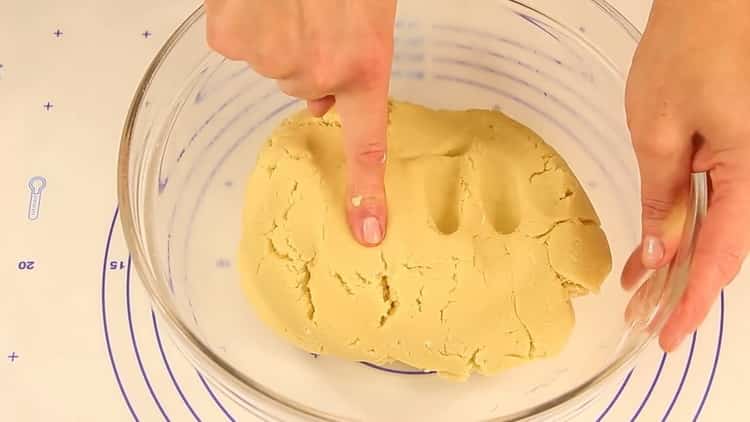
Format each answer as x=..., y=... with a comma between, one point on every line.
x=364, y=117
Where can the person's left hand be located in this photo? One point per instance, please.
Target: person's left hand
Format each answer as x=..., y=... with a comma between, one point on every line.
x=688, y=104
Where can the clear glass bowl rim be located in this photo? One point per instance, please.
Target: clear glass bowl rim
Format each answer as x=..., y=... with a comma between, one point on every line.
x=232, y=381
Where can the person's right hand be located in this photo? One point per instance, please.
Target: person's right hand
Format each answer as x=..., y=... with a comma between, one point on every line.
x=687, y=98
x=325, y=52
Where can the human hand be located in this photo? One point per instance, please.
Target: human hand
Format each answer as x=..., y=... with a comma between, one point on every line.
x=326, y=52
x=688, y=100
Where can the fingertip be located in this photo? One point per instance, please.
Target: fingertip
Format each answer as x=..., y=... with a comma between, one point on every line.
x=632, y=272
x=364, y=118
x=367, y=219
x=368, y=230
x=670, y=335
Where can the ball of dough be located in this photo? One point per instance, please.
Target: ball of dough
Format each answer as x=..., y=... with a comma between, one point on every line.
x=489, y=236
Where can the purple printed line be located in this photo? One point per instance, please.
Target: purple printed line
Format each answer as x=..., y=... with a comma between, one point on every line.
x=538, y=24
x=615, y=398
x=203, y=90
x=397, y=371
x=170, y=280
x=213, y=115
x=651, y=388
x=135, y=345
x=237, y=117
x=189, y=176
x=215, y=399
x=173, y=116
x=194, y=211
x=716, y=361
x=682, y=380
x=200, y=94
x=227, y=154
x=169, y=368
x=164, y=179
x=530, y=68
x=497, y=38
x=104, y=320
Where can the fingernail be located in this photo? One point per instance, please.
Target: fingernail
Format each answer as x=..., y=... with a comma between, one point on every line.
x=653, y=251
x=371, y=230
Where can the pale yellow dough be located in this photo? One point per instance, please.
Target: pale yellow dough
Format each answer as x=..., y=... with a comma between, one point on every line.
x=489, y=236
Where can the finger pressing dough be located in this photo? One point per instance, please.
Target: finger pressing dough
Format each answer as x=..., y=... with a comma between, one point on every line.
x=489, y=236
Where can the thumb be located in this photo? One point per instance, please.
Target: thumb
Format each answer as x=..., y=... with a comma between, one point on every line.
x=664, y=157
x=364, y=117
x=722, y=245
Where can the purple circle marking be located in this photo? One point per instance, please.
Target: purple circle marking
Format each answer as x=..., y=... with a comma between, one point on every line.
x=716, y=361
x=398, y=371
x=682, y=379
x=650, y=388
x=109, y=345
x=135, y=344
x=169, y=368
x=104, y=320
x=216, y=399
x=616, y=397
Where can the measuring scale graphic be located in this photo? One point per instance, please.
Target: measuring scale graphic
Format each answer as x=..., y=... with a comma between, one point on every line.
x=140, y=373
x=36, y=186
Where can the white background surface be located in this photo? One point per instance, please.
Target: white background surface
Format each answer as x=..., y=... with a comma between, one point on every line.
x=51, y=315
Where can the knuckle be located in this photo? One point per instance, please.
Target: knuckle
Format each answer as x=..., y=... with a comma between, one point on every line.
x=220, y=39
x=322, y=80
x=656, y=208
x=266, y=60
x=371, y=154
x=373, y=65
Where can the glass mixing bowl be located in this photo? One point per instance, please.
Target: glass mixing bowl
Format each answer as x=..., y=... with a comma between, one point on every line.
x=191, y=139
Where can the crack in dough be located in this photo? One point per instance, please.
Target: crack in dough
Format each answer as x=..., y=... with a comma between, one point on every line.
x=490, y=236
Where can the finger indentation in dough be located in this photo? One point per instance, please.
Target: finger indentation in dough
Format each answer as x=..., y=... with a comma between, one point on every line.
x=441, y=192
x=500, y=196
